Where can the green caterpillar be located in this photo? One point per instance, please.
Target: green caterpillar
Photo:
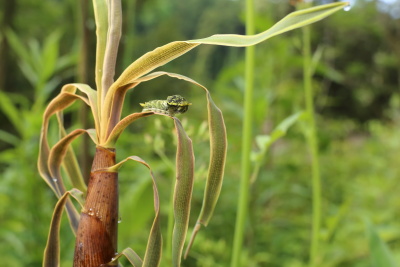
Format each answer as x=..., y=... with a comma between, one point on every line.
x=174, y=104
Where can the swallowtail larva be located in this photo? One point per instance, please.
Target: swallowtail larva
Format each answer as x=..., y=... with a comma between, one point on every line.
x=174, y=104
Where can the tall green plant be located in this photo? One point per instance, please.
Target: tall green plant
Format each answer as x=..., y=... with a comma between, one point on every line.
x=96, y=226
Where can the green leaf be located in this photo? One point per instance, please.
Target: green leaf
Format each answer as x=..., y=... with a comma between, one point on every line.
x=13, y=115
x=9, y=138
x=292, y=21
x=49, y=56
x=18, y=47
x=265, y=141
x=218, y=148
x=380, y=253
x=183, y=192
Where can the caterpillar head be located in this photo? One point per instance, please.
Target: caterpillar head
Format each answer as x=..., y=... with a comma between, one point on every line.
x=177, y=104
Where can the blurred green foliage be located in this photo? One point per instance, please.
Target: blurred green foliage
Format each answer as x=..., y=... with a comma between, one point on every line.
x=357, y=63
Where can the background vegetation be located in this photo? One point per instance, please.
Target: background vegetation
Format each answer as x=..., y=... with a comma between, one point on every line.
x=357, y=67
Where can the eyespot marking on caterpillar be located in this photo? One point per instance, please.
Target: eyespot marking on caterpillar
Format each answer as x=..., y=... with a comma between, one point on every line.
x=174, y=104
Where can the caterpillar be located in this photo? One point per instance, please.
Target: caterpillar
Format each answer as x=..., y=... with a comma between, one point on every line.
x=174, y=104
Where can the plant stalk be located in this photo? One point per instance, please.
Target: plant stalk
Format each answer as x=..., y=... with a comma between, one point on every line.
x=96, y=239
x=312, y=140
x=247, y=138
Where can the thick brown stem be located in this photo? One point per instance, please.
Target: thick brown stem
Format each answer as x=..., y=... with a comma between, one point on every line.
x=96, y=239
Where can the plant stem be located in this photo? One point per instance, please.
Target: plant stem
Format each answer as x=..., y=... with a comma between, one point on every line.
x=96, y=239
x=313, y=146
x=246, y=142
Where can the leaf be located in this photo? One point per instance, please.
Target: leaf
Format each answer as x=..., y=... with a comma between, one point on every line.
x=164, y=54
x=11, y=112
x=18, y=47
x=56, y=156
x=131, y=255
x=70, y=162
x=49, y=56
x=265, y=141
x=51, y=257
x=292, y=21
x=380, y=253
x=116, y=108
x=9, y=138
x=62, y=101
x=218, y=148
x=101, y=17
x=183, y=192
x=66, y=98
x=120, y=127
x=152, y=256
x=113, y=37
x=92, y=101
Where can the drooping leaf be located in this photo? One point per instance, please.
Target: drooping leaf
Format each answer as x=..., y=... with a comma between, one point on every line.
x=92, y=99
x=152, y=256
x=164, y=54
x=51, y=257
x=218, y=148
x=62, y=101
x=183, y=192
x=56, y=156
x=292, y=21
x=70, y=162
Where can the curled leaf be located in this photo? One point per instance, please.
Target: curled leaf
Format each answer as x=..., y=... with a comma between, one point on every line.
x=131, y=255
x=62, y=101
x=56, y=156
x=51, y=255
x=152, y=256
x=120, y=127
x=218, y=149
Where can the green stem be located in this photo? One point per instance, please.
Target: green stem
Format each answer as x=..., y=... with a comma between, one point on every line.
x=313, y=146
x=246, y=142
